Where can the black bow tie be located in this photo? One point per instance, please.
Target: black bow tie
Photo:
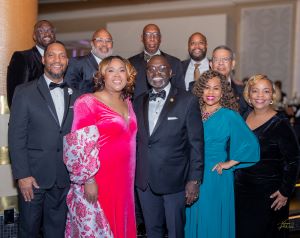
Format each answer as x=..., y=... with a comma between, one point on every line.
x=153, y=96
x=57, y=85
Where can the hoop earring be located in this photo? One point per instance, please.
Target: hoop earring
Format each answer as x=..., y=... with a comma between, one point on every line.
x=271, y=102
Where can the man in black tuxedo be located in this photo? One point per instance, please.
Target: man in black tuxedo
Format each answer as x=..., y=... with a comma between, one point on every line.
x=151, y=39
x=198, y=63
x=41, y=114
x=223, y=61
x=169, y=151
x=27, y=65
x=80, y=73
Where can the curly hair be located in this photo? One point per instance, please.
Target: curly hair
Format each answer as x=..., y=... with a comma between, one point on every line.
x=227, y=100
x=253, y=80
x=127, y=91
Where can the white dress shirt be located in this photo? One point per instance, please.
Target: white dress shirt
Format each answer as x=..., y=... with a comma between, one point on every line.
x=57, y=95
x=98, y=60
x=155, y=108
x=189, y=75
x=40, y=50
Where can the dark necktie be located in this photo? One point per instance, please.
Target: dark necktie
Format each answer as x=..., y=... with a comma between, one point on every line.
x=153, y=96
x=57, y=85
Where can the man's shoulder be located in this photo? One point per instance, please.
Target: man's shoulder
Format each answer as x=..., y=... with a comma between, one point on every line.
x=136, y=57
x=171, y=58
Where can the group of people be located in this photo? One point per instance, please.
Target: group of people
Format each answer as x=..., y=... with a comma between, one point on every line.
x=99, y=143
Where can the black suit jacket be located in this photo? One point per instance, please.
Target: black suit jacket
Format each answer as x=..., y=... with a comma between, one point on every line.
x=80, y=73
x=24, y=66
x=141, y=83
x=238, y=92
x=35, y=136
x=185, y=65
x=173, y=153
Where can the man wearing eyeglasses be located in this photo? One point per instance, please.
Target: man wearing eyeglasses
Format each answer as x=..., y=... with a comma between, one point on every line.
x=27, y=65
x=80, y=73
x=169, y=163
x=223, y=61
x=151, y=39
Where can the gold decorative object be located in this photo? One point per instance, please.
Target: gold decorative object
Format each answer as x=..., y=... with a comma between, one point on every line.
x=8, y=202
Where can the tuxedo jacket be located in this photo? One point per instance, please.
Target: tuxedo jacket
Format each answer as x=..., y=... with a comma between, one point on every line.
x=80, y=73
x=23, y=67
x=141, y=83
x=35, y=138
x=173, y=154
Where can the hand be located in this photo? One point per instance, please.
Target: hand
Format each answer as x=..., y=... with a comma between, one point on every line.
x=280, y=200
x=25, y=185
x=224, y=165
x=91, y=192
x=191, y=192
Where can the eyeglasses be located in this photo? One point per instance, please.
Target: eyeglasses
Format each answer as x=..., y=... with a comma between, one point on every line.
x=162, y=69
x=44, y=31
x=101, y=40
x=223, y=60
x=152, y=34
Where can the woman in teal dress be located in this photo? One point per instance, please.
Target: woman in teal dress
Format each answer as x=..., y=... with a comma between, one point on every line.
x=229, y=144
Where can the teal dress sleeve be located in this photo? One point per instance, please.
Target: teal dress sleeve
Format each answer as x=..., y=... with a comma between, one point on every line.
x=243, y=146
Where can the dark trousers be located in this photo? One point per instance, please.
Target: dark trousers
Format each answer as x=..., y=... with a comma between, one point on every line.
x=160, y=210
x=48, y=210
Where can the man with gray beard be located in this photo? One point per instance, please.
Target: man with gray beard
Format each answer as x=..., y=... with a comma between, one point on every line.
x=81, y=69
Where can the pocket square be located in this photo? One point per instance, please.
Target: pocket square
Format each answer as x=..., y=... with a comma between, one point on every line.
x=172, y=118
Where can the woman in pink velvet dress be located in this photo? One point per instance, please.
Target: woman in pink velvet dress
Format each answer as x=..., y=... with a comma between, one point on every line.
x=110, y=109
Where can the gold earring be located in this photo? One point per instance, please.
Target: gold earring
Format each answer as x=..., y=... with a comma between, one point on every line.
x=271, y=102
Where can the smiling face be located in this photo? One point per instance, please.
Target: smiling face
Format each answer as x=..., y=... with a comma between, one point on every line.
x=212, y=93
x=222, y=62
x=261, y=94
x=44, y=34
x=115, y=76
x=55, y=61
x=197, y=47
x=102, y=44
x=158, y=72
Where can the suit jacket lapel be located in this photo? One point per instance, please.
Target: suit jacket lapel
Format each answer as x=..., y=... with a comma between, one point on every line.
x=145, y=112
x=67, y=98
x=93, y=61
x=166, y=108
x=45, y=94
x=37, y=58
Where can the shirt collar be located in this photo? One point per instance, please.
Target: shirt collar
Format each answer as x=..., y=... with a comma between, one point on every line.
x=40, y=50
x=48, y=81
x=156, y=53
x=98, y=60
x=202, y=62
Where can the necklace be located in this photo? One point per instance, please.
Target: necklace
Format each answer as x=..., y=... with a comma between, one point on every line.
x=206, y=115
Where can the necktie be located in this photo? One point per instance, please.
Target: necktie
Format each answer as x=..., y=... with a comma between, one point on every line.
x=196, y=72
x=153, y=96
x=57, y=85
x=147, y=57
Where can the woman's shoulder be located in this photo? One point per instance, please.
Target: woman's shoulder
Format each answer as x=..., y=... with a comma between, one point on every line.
x=230, y=113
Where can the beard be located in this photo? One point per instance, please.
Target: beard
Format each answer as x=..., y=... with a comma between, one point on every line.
x=101, y=54
x=55, y=75
x=198, y=57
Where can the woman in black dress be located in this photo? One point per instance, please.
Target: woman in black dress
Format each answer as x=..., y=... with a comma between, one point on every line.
x=263, y=190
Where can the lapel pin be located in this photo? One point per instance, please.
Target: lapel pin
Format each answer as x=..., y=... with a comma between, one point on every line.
x=70, y=91
x=171, y=99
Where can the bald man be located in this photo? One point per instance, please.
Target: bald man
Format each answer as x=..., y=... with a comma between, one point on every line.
x=27, y=65
x=198, y=62
x=81, y=69
x=151, y=39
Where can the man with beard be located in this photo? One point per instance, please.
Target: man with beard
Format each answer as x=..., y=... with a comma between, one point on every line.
x=41, y=114
x=198, y=63
x=223, y=61
x=80, y=73
x=169, y=151
x=151, y=38
x=27, y=65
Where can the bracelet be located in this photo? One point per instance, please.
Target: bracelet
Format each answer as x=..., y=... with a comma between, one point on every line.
x=90, y=180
